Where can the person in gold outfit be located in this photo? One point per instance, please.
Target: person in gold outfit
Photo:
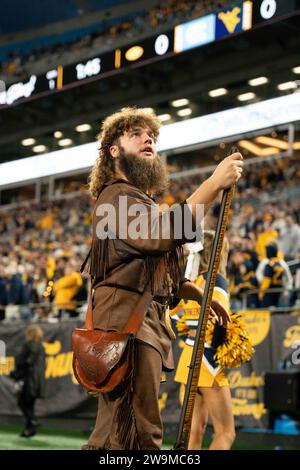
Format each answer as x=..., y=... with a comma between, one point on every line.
x=213, y=395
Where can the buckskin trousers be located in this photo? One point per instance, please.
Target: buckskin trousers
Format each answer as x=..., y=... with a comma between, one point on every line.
x=147, y=420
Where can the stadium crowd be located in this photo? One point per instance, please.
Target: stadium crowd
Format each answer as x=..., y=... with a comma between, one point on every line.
x=42, y=248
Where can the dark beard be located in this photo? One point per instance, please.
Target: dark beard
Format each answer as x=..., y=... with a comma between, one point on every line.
x=149, y=175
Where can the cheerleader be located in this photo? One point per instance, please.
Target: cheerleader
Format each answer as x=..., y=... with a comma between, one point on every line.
x=213, y=395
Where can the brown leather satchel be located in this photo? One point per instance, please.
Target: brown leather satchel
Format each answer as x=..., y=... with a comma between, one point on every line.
x=103, y=360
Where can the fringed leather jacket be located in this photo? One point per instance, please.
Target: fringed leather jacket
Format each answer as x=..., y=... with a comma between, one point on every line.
x=122, y=264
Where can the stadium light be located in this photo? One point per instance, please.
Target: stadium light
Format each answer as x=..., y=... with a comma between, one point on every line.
x=287, y=86
x=296, y=69
x=165, y=117
x=27, y=142
x=184, y=112
x=256, y=150
x=231, y=122
x=39, y=148
x=281, y=144
x=258, y=81
x=217, y=92
x=246, y=96
x=65, y=142
x=179, y=103
x=83, y=128
x=58, y=134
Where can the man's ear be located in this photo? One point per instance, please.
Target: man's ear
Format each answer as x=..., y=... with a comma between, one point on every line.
x=114, y=151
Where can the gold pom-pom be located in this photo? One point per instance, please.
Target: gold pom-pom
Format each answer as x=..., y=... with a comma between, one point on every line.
x=182, y=327
x=236, y=349
x=184, y=330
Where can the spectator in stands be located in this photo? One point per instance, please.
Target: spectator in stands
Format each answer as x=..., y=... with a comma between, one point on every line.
x=14, y=286
x=290, y=239
x=273, y=273
x=296, y=296
x=249, y=251
x=30, y=295
x=65, y=290
x=245, y=281
x=265, y=235
x=3, y=293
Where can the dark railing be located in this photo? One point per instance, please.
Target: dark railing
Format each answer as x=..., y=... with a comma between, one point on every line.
x=274, y=290
x=28, y=311
x=52, y=312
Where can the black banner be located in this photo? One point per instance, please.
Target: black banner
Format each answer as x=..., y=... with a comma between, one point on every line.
x=268, y=10
x=63, y=393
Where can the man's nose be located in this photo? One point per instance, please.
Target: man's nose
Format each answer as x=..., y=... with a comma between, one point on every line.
x=147, y=138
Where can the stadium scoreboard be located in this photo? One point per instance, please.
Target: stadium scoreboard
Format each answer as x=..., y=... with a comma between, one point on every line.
x=241, y=17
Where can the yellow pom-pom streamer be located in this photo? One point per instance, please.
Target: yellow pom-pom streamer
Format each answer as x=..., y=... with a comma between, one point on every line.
x=236, y=349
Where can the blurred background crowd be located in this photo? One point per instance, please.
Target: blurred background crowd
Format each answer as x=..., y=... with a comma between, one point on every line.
x=43, y=245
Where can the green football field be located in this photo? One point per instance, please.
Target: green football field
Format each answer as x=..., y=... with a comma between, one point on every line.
x=43, y=440
x=47, y=439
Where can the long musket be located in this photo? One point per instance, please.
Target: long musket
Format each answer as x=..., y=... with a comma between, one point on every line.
x=184, y=429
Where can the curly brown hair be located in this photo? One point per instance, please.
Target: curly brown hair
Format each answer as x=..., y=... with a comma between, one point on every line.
x=112, y=128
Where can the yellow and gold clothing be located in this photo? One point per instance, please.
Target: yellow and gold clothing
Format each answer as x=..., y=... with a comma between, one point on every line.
x=65, y=290
x=50, y=267
x=186, y=315
x=263, y=240
x=46, y=221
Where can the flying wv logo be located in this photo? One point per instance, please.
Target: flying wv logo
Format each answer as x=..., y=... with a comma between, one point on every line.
x=230, y=18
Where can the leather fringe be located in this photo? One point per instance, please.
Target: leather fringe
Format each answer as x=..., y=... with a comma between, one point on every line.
x=167, y=278
x=170, y=271
x=96, y=261
x=126, y=427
